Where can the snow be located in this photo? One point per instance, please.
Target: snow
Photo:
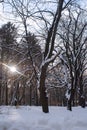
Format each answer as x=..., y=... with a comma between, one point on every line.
x=32, y=118
x=67, y=95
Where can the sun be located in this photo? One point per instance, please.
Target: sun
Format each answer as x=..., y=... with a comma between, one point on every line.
x=13, y=69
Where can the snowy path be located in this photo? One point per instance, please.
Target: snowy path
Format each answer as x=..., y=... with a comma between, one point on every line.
x=32, y=118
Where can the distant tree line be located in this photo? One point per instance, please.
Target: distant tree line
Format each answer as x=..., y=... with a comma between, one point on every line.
x=26, y=56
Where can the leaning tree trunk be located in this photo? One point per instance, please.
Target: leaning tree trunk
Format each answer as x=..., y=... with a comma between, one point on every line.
x=42, y=90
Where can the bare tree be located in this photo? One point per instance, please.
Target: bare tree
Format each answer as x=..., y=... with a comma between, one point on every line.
x=73, y=55
x=48, y=56
x=27, y=12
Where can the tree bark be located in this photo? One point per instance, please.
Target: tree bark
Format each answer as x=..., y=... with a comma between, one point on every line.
x=42, y=89
x=69, y=105
x=70, y=101
x=30, y=96
x=6, y=100
x=0, y=91
x=0, y=81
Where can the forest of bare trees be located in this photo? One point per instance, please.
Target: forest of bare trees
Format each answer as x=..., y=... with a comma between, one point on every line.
x=47, y=44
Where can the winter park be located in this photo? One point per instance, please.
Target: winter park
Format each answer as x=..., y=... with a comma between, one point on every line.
x=43, y=65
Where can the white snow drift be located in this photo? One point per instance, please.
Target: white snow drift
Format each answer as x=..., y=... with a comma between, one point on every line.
x=32, y=118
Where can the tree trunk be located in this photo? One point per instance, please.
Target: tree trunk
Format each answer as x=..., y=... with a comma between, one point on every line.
x=42, y=89
x=6, y=89
x=36, y=97
x=0, y=91
x=6, y=100
x=0, y=82
x=82, y=101
x=70, y=101
x=30, y=96
x=81, y=96
x=69, y=105
x=1, y=75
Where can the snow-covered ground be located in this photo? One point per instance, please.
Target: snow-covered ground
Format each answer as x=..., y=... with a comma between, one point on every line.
x=32, y=118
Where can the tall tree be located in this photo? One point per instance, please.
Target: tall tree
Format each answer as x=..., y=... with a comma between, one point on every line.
x=8, y=41
x=34, y=56
x=73, y=54
x=49, y=57
x=29, y=12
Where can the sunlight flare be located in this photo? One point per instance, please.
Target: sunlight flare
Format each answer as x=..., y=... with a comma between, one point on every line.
x=13, y=69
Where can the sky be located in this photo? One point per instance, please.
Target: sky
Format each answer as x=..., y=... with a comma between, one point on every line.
x=7, y=15
x=5, y=11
